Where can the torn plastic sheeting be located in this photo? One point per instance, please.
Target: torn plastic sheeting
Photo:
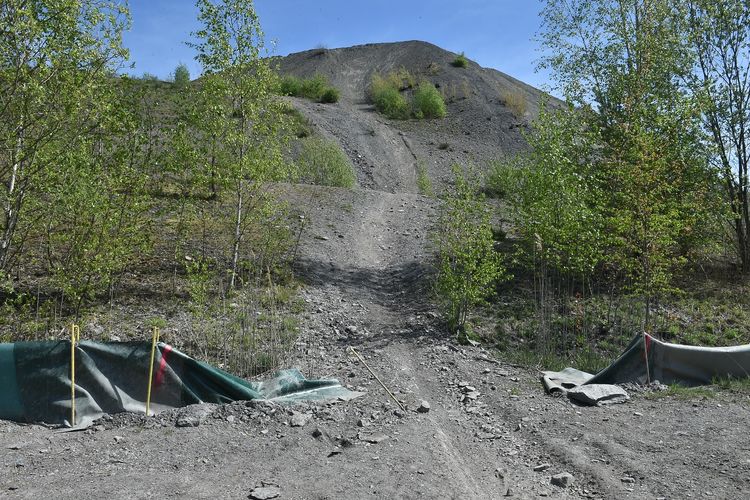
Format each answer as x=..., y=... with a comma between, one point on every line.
x=667, y=363
x=112, y=377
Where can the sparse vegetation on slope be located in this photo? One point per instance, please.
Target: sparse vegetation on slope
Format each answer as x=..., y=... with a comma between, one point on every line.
x=460, y=61
x=388, y=94
x=322, y=162
x=316, y=88
x=428, y=103
x=515, y=101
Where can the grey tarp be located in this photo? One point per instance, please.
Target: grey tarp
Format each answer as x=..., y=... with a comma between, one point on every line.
x=111, y=377
x=667, y=363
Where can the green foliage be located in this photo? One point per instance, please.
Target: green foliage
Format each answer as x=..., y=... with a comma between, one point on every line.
x=423, y=180
x=329, y=95
x=291, y=85
x=58, y=60
x=428, y=102
x=181, y=75
x=239, y=112
x=387, y=94
x=322, y=162
x=460, y=61
x=468, y=265
x=316, y=88
x=716, y=36
x=300, y=126
x=642, y=169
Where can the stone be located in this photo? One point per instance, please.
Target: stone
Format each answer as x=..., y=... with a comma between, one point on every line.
x=424, y=407
x=563, y=479
x=299, y=419
x=375, y=438
x=542, y=467
x=193, y=415
x=265, y=493
x=351, y=329
x=627, y=479
x=598, y=394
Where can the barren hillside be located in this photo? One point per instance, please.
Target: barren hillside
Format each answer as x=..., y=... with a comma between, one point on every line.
x=480, y=126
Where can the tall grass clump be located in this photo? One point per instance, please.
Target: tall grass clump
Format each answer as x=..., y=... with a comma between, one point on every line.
x=323, y=163
x=428, y=103
x=515, y=101
x=391, y=94
x=460, y=61
x=387, y=97
x=316, y=88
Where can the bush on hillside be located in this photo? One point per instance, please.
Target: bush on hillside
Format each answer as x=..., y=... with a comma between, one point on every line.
x=428, y=103
x=391, y=103
x=315, y=88
x=460, y=61
x=330, y=95
x=386, y=93
x=322, y=162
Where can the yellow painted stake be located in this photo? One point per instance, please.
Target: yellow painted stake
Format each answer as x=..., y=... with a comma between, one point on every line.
x=154, y=341
x=75, y=336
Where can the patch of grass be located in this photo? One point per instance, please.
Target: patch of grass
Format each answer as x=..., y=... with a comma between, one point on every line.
x=681, y=392
x=428, y=103
x=423, y=180
x=515, y=101
x=300, y=125
x=322, y=162
x=586, y=360
x=433, y=68
x=495, y=182
x=316, y=88
x=329, y=95
x=387, y=97
x=393, y=95
x=460, y=61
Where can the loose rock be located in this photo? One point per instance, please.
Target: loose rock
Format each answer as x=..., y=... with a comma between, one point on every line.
x=265, y=493
x=563, y=480
x=299, y=419
x=424, y=407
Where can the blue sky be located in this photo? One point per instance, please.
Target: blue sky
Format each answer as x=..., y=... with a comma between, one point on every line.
x=495, y=33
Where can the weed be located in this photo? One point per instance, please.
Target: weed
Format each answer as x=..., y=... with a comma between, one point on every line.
x=329, y=95
x=460, y=61
x=681, y=392
x=315, y=88
x=423, y=180
x=428, y=102
x=390, y=102
x=300, y=125
x=515, y=101
x=323, y=163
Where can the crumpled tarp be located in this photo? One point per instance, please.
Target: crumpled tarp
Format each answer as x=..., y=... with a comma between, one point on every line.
x=112, y=377
x=667, y=363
